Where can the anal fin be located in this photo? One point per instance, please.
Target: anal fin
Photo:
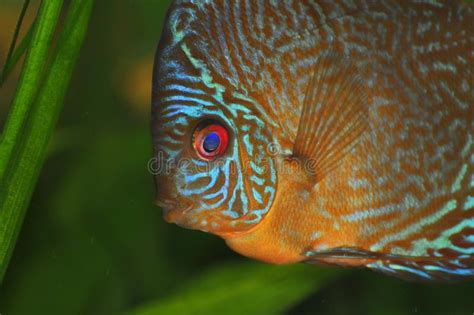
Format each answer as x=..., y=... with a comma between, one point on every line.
x=411, y=268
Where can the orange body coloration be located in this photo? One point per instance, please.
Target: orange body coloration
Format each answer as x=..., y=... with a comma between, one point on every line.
x=288, y=230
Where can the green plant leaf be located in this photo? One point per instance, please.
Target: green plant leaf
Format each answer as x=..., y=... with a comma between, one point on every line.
x=243, y=288
x=31, y=121
x=29, y=83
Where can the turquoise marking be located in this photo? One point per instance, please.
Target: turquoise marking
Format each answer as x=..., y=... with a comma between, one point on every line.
x=358, y=183
x=236, y=108
x=183, y=89
x=410, y=270
x=245, y=128
x=171, y=140
x=448, y=207
x=169, y=151
x=269, y=190
x=182, y=98
x=248, y=144
x=179, y=132
x=359, y=215
x=229, y=211
x=258, y=107
x=178, y=35
x=257, y=180
x=224, y=191
x=469, y=204
x=213, y=195
x=260, y=212
x=257, y=196
x=178, y=121
x=200, y=163
x=245, y=201
x=189, y=179
x=205, y=73
x=256, y=168
x=232, y=214
x=459, y=271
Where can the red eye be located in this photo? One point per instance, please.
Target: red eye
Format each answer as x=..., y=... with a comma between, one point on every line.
x=210, y=141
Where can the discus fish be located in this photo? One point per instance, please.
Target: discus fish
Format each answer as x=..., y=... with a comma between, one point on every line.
x=329, y=132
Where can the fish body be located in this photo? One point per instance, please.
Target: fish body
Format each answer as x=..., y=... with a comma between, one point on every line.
x=335, y=132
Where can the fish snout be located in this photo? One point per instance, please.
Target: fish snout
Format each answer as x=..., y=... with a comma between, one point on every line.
x=173, y=211
x=167, y=198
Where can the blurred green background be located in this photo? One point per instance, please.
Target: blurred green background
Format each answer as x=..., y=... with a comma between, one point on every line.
x=94, y=243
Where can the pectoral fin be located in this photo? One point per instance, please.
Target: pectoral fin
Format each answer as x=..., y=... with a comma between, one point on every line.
x=334, y=115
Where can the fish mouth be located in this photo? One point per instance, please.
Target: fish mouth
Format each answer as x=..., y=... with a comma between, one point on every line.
x=173, y=212
x=165, y=203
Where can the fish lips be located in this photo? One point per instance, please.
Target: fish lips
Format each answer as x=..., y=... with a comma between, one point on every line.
x=174, y=212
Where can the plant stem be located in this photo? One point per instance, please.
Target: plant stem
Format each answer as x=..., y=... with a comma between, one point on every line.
x=14, y=39
x=30, y=149
x=19, y=52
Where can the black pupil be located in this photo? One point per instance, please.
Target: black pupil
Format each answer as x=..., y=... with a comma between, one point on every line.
x=211, y=142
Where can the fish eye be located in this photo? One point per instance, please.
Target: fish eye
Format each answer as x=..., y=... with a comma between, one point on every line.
x=210, y=140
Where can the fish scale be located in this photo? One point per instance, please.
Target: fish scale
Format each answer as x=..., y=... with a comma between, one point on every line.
x=391, y=139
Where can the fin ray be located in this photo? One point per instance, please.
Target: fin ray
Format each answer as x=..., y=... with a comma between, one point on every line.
x=411, y=268
x=334, y=114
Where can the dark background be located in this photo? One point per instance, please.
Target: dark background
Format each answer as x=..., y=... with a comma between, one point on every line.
x=94, y=243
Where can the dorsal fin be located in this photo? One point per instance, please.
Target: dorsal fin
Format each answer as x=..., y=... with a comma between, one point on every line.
x=334, y=114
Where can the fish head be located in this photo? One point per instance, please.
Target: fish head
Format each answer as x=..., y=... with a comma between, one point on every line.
x=210, y=174
x=213, y=164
